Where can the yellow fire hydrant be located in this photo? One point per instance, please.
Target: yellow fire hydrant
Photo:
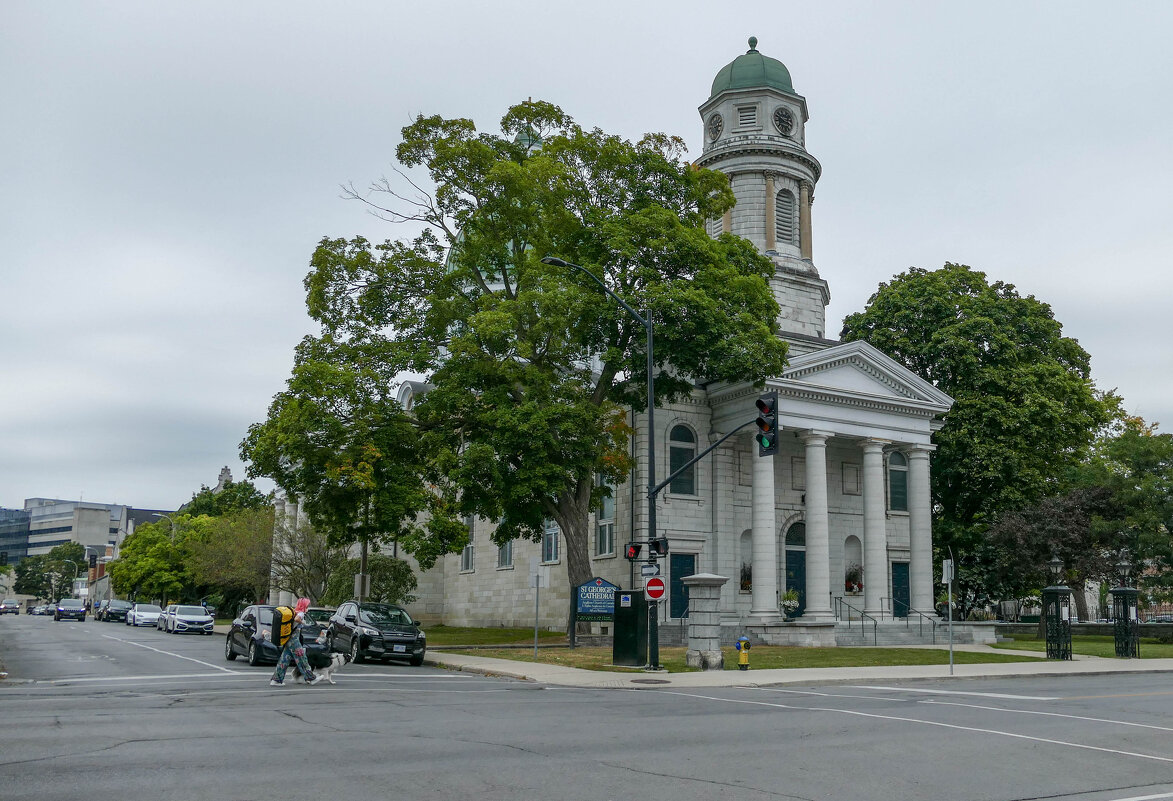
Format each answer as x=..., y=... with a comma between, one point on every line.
x=742, y=646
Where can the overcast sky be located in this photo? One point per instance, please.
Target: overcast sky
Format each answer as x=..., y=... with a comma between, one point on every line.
x=167, y=168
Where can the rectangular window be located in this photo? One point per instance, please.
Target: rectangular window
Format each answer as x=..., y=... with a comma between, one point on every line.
x=505, y=555
x=466, y=563
x=747, y=116
x=898, y=490
x=550, y=542
x=605, y=525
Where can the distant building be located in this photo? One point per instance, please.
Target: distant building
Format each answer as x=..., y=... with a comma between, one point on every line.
x=14, y=535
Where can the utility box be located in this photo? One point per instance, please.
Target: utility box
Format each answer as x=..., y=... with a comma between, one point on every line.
x=630, y=641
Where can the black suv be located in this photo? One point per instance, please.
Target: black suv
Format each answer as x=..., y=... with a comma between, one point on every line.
x=112, y=610
x=70, y=609
x=376, y=631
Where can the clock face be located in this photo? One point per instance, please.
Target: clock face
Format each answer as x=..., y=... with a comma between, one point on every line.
x=784, y=121
x=716, y=125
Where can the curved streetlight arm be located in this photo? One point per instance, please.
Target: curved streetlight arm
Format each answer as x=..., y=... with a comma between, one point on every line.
x=553, y=262
x=75, y=568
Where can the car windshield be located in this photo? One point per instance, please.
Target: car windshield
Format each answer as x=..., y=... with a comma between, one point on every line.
x=378, y=613
x=148, y=608
x=70, y=603
x=191, y=610
x=119, y=605
x=318, y=615
x=9, y=602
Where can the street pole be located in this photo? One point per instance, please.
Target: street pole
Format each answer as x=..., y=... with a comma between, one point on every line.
x=646, y=322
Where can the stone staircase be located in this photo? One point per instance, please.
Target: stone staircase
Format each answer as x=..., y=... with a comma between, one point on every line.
x=896, y=633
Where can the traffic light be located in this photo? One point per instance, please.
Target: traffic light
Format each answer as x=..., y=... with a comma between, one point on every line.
x=660, y=546
x=633, y=549
x=767, y=422
x=3, y=558
x=93, y=561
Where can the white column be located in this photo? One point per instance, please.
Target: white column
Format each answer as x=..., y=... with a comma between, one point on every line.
x=764, y=599
x=920, y=525
x=818, y=531
x=875, y=537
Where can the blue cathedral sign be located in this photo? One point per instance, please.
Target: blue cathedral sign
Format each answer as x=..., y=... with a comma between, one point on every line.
x=595, y=601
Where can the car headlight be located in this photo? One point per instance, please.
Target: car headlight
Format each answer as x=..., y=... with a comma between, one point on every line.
x=369, y=632
x=265, y=635
x=423, y=636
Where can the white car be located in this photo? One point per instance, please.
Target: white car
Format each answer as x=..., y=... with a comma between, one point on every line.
x=143, y=615
x=188, y=619
x=165, y=617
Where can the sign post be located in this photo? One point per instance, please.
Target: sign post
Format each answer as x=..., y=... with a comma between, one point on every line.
x=654, y=590
x=947, y=577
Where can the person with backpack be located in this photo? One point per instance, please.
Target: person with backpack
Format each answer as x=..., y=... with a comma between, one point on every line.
x=294, y=651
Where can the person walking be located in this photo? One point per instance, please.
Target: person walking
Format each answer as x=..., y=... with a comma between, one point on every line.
x=294, y=651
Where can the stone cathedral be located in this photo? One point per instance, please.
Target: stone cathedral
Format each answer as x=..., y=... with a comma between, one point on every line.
x=841, y=514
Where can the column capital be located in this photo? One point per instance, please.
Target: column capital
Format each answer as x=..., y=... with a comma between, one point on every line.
x=812, y=437
x=872, y=445
x=918, y=451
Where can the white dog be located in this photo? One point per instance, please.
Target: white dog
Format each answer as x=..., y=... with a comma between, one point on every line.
x=327, y=673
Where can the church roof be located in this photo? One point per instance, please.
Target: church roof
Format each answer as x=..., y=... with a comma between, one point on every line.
x=752, y=70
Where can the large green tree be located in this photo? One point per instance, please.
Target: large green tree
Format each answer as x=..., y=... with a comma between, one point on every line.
x=1026, y=409
x=531, y=365
x=233, y=496
x=152, y=563
x=230, y=555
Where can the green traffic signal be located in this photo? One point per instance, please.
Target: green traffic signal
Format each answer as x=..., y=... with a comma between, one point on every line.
x=767, y=424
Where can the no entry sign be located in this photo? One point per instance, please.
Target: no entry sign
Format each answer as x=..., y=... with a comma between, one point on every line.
x=654, y=589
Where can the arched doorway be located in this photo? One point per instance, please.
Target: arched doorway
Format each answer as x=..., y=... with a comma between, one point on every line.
x=796, y=563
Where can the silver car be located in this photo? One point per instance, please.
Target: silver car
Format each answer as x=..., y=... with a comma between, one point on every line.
x=143, y=615
x=187, y=619
x=165, y=617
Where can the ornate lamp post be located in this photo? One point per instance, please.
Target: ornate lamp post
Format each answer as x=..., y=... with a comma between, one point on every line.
x=1126, y=625
x=1057, y=612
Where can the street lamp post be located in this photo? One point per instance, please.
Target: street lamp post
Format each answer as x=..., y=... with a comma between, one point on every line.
x=1125, y=620
x=1057, y=612
x=169, y=520
x=646, y=322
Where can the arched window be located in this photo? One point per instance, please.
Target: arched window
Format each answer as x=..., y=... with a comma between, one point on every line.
x=682, y=448
x=898, y=482
x=796, y=536
x=785, y=218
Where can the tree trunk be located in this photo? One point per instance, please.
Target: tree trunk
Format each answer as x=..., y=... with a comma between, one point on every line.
x=1080, y=596
x=573, y=517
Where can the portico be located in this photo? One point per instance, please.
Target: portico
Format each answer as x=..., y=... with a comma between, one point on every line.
x=853, y=466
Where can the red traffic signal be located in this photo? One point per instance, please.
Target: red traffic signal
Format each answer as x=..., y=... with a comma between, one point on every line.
x=633, y=549
x=767, y=423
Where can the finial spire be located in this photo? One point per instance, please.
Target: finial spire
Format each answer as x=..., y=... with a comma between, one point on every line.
x=753, y=44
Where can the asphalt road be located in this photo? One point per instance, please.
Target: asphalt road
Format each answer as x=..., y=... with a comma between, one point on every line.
x=101, y=711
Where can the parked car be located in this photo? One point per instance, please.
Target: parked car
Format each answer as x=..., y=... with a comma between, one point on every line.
x=376, y=631
x=187, y=619
x=251, y=635
x=9, y=606
x=43, y=609
x=113, y=611
x=165, y=617
x=1160, y=619
x=143, y=615
x=71, y=609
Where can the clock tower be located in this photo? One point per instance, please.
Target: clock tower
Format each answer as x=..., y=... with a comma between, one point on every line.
x=755, y=133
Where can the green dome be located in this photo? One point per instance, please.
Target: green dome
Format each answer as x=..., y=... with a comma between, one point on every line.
x=753, y=71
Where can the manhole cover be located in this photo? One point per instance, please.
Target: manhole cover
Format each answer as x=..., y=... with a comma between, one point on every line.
x=650, y=681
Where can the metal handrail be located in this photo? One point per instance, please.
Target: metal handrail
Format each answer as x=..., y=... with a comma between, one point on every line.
x=862, y=615
x=921, y=618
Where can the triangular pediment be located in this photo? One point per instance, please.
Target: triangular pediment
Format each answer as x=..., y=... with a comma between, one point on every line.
x=856, y=369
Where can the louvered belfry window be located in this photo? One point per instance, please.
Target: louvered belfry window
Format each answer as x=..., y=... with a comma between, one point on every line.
x=785, y=218
x=747, y=116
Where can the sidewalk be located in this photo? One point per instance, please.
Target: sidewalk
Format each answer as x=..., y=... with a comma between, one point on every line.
x=636, y=679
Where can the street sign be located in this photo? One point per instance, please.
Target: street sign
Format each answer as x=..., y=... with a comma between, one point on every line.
x=649, y=570
x=654, y=589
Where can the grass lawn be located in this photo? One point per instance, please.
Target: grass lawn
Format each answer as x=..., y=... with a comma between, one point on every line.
x=761, y=657
x=1093, y=645
x=461, y=635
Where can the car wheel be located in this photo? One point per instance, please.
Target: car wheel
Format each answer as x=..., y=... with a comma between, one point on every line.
x=229, y=654
x=253, y=658
x=355, y=654
x=416, y=661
